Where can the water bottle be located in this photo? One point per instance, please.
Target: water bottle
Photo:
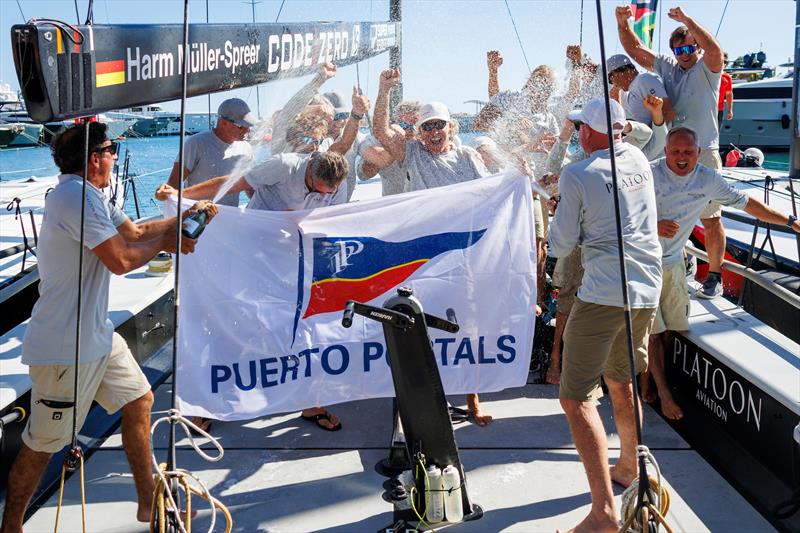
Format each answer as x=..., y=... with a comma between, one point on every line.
x=435, y=496
x=451, y=481
x=194, y=224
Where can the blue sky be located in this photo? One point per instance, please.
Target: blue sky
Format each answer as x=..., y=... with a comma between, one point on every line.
x=444, y=42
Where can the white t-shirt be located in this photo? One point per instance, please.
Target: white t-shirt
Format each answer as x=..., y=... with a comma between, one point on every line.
x=632, y=101
x=50, y=336
x=427, y=170
x=206, y=156
x=585, y=217
x=279, y=184
x=694, y=94
x=683, y=198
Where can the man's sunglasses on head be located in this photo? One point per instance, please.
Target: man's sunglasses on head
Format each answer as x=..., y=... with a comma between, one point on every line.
x=687, y=49
x=112, y=148
x=433, y=125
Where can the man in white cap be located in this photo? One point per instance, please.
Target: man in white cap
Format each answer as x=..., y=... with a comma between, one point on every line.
x=218, y=152
x=633, y=87
x=595, y=336
x=430, y=160
x=692, y=79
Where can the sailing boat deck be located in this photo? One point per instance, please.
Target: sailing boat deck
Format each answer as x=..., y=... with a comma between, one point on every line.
x=282, y=474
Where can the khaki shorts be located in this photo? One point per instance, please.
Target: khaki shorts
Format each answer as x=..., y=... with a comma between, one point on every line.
x=673, y=308
x=710, y=158
x=595, y=344
x=114, y=381
x=538, y=219
x=567, y=277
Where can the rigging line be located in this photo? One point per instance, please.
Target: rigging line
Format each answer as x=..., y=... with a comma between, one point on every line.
x=519, y=40
x=660, y=28
x=279, y=10
x=20, y=11
x=90, y=13
x=722, y=17
x=209, y=94
x=77, y=15
x=580, y=33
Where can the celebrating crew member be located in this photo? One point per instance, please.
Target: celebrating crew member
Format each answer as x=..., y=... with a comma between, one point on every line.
x=431, y=160
x=377, y=159
x=341, y=117
x=692, y=80
x=683, y=190
x=109, y=373
x=595, y=335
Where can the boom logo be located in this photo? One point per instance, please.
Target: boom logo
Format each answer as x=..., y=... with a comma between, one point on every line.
x=363, y=268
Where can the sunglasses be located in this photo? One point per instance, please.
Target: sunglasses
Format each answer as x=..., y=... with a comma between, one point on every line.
x=687, y=49
x=112, y=148
x=433, y=125
x=341, y=116
x=406, y=126
x=310, y=140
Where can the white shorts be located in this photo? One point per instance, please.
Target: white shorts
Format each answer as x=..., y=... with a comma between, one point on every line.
x=673, y=307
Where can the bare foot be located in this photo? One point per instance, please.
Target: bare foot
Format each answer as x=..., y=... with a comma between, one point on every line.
x=481, y=418
x=669, y=408
x=649, y=394
x=596, y=524
x=554, y=372
x=623, y=475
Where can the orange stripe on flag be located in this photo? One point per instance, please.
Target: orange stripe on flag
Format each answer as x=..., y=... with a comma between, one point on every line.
x=107, y=67
x=112, y=78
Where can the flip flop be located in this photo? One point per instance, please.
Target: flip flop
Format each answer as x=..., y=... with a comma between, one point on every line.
x=314, y=419
x=457, y=414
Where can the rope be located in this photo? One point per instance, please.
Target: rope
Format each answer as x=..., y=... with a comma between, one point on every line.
x=580, y=31
x=519, y=40
x=643, y=484
x=165, y=508
x=279, y=11
x=634, y=515
x=413, y=490
x=64, y=470
x=721, y=18
x=20, y=11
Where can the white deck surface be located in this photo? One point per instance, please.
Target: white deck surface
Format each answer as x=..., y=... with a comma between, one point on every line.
x=280, y=474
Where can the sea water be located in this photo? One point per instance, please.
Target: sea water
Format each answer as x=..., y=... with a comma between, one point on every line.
x=151, y=160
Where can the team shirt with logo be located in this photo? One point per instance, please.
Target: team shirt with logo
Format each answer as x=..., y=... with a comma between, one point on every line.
x=683, y=198
x=279, y=184
x=50, y=336
x=632, y=101
x=585, y=217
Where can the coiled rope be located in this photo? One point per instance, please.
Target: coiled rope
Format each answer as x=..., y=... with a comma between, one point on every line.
x=633, y=520
x=165, y=509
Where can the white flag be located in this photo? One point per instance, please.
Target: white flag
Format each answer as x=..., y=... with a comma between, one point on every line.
x=262, y=297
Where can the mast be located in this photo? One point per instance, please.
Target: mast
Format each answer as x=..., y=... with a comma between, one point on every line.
x=396, y=52
x=794, y=154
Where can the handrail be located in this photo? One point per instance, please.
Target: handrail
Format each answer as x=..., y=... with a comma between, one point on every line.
x=760, y=280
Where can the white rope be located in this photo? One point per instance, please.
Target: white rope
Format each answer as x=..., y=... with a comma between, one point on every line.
x=188, y=426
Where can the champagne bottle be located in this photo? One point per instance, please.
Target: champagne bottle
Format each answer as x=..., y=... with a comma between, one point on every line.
x=194, y=224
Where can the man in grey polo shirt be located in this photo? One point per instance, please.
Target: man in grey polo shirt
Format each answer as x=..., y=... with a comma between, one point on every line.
x=595, y=336
x=683, y=190
x=220, y=151
x=691, y=79
x=108, y=373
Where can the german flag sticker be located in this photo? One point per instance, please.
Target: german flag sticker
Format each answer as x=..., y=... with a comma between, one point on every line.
x=110, y=73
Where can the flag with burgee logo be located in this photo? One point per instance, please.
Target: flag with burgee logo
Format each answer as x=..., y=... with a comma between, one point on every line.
x=644, y=20
x=263, y=295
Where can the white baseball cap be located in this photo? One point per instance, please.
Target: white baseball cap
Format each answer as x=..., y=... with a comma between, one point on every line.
x=593, y=115
x=433, y=111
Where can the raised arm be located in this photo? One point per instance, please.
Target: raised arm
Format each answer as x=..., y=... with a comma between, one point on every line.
x=296, y=104
x=350, y=131
x=712, y=51
x=393, y=141
x=493, y=61
x=630, y=42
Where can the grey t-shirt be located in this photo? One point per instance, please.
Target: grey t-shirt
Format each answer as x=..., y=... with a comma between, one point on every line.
x=427, y=170
x=683, y=198
x=694, y=94
x=207, y=156
x=585, y=217
x=632, y=101
x=393, y=177
x=50, y=336
x=279, y=184
x=355, y=151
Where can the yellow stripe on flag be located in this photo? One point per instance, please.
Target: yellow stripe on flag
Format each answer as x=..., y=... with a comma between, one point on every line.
x=112, y=78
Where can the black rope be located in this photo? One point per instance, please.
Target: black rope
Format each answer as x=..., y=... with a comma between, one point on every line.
x=279, y=11
x=90, y=13
x=722, y=17
x=77, y=15
x=580, y=32
x=644, y=482
x=20, y=11
x=519, y=40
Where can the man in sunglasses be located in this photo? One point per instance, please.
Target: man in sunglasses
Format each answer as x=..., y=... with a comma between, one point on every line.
x=109, y=373
x=691, y=79
x=219, y=151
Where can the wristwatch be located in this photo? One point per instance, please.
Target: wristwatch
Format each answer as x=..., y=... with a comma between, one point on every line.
x=356, y=116
x=791, y=221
